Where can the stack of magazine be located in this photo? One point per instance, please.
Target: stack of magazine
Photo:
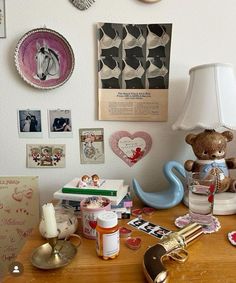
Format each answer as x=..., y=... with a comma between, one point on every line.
x=115, y=190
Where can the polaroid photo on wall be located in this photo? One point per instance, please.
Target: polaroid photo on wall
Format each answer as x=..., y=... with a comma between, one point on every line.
x=91, y=146
x=2, y=19
x=45, y=155
x=29, y=123
x=60, y=124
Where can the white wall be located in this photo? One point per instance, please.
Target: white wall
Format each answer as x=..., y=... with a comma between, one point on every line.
x=203, y=32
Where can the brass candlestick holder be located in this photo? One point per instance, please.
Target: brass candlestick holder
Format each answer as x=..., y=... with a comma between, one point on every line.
x=54, y=254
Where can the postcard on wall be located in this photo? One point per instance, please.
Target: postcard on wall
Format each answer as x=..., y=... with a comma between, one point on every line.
x=19, y=211
x=133, y=71
x=45, y=155
x=91, y=146
x=2, y=19
x=29, y=123
x=60, y=124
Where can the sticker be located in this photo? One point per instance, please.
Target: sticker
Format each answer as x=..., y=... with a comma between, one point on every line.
x=149, y=228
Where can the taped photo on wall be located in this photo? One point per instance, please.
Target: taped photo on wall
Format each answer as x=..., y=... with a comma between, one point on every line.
x=29, y=123
x=60, y=123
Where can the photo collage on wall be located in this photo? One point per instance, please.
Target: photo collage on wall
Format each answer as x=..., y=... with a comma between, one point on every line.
x=59, y=126
x=30, y=123
x=91, y=140
x=133, y=76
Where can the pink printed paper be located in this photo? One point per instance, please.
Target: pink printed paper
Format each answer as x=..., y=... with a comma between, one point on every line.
x=131, y=148
x=19, y=214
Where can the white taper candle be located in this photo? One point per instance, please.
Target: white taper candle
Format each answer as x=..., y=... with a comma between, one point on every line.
x=50, y=220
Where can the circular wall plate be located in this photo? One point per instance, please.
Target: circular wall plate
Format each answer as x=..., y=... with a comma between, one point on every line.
x=44, y=58
x=150, y=1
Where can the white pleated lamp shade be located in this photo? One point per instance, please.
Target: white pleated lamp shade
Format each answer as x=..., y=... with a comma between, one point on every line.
x=211, y=98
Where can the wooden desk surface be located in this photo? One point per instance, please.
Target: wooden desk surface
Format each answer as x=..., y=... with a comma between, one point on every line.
x=211, y=259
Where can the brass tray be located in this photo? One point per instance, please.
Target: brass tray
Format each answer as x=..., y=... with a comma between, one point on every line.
x=44, y=258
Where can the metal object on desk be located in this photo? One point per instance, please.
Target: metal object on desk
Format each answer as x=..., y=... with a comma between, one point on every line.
x=55, y=254
x=172, y=246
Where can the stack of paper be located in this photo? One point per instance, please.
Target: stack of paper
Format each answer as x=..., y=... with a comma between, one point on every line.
x=115, y=190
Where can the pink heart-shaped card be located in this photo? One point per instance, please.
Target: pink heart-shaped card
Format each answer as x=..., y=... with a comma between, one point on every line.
x=130, y=147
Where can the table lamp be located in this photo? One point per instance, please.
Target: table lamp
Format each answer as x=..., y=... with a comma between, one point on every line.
x=211, y=104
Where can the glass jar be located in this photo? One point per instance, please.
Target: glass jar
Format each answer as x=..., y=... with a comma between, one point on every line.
x=67, y=222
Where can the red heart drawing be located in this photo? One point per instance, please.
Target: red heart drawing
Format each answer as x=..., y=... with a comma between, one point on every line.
x=130, y=147
x=124, y=232
x=93, y=224
x=28, y=193
x=133, y=243
x=18, y=196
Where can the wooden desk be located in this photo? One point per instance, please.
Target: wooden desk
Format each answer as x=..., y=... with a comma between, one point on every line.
x=211, y=259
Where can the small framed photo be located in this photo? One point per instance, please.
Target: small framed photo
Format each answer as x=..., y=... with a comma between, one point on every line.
x=60, y=124
x=2, y=19
x=45, y=155
x=91, y=146
x=29, y=123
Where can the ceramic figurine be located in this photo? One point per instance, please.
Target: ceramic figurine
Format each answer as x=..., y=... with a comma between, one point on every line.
x=83, y=182
x=95, y=180
x=210, y=150
x=165, y=198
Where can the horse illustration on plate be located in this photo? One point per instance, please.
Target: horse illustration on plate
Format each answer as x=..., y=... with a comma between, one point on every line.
x=47, y=63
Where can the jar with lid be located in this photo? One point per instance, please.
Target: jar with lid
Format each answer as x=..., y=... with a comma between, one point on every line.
x=67, y=222
x=107, y=235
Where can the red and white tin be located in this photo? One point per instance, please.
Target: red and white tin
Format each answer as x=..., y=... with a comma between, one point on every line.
x=90, y=209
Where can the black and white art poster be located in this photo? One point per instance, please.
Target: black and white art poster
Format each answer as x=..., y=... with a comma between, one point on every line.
x=133, y=71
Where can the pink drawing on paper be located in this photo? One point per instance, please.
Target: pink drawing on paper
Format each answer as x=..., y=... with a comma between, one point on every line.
x=18, y=195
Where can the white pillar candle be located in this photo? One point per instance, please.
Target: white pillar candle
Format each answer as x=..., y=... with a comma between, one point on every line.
x=50, y=220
